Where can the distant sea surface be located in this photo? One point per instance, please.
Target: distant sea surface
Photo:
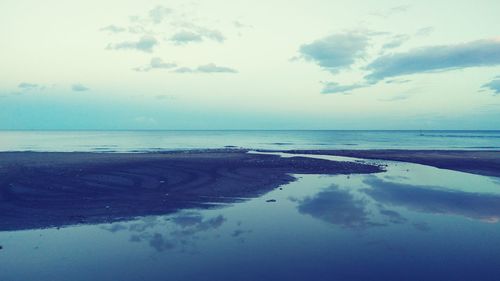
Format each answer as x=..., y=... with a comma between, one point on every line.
x=144, y=141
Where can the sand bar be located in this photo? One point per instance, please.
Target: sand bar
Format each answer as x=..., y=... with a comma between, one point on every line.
x=40, y=190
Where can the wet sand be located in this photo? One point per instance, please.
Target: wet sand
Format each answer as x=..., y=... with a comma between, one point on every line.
x=486, y=163
x=40, y=190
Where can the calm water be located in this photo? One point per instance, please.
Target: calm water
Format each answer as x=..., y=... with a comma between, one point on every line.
x=111, y=141
x=412, y=222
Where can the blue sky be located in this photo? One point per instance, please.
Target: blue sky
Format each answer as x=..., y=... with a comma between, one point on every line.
x=250, y=64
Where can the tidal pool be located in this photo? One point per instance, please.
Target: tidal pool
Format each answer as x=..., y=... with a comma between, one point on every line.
x=412, y=222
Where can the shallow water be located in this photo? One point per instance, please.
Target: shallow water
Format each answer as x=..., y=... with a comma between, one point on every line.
x=136, y=141
x=412, y=222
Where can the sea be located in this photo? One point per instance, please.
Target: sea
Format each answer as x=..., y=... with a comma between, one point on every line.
x=411, y=222
x=148, y=141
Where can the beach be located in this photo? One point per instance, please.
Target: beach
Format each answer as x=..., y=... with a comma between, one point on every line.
x=480, y=162
x=219, y=213
x=40, y=190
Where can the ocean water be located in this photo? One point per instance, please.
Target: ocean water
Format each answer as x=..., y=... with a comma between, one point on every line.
x=137, y=141
x=412, y=222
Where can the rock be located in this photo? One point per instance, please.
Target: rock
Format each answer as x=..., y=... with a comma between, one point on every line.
x=271, y=200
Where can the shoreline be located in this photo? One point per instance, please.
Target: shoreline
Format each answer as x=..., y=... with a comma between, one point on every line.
x=479, y=162
x=50, y=189
x=57, y=189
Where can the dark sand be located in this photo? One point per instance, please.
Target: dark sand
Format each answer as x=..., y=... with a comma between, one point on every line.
x=486, y=163
x=40, y=190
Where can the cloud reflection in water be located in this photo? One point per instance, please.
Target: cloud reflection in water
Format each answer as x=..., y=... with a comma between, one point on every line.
x=436, y=200
x=358, y=207
x=173, y=233
x=336, y=206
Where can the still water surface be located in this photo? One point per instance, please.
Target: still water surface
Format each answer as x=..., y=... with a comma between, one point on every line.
x=412, y=222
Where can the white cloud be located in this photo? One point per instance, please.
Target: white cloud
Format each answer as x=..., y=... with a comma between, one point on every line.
x=145, y=44
x=156, y=63
x=337, y=51
x=79, y=88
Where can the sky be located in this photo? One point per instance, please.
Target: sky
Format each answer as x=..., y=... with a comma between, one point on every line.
x=118, y=65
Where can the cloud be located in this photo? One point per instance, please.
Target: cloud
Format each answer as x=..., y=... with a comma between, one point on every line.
x=207, y=68
x=397, y=81
x=113, y=29
x=425, y=31
x=436, y=58
x=194, y=34
x=212, y=68
x=184, y=37
x=211, y=34
x=400, y=8
x=335, y=88
x=156, y=63
x=396, y=41
x=494, y=85
x=79, y=88
x=239, y=24
x=139, y=29
x=396, y=98
x=402, y=95
x=28, y=86
x=145, y=44
x=159, y=13
x=340, y=51
x=391, y=11
x=184, y=70
x=337, y=51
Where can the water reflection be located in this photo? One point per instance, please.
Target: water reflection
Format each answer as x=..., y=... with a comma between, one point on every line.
x=336, y=206
x=422, y=226
x=435, y=199
x=193, y=223
x=348, y=208
x=392, y=216
x=380, y=200
x=390, y=225
x=179, y=232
